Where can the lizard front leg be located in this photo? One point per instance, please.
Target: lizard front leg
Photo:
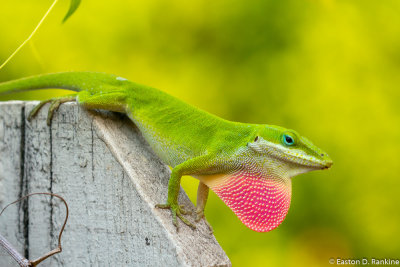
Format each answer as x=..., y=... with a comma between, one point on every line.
x=202, y=196
x=195, y=166
x=172, y=201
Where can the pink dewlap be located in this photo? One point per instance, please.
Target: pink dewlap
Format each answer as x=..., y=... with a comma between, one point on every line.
x=260, y=203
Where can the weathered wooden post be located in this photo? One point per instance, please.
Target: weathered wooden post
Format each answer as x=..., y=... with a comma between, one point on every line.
x=111, y=180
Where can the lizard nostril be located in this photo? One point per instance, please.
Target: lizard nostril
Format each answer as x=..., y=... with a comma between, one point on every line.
x=322, y=154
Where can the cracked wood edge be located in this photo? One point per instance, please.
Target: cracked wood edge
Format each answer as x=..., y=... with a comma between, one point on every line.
x=122, y=137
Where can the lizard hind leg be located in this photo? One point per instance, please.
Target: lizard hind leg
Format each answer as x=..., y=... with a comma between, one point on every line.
x=54, y=105
x=112, y=100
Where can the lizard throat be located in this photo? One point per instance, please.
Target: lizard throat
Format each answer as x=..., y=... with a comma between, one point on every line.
x=260, y=203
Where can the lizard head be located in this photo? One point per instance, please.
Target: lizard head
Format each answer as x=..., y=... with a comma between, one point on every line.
x=285, y=153
x=259, y=190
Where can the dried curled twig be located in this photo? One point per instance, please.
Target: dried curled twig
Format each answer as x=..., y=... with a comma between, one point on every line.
x=21, y=260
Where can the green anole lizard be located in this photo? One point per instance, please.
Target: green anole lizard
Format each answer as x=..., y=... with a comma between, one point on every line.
x=249, y=166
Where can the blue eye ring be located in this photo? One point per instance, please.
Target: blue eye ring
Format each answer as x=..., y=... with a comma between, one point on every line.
x=288, y=140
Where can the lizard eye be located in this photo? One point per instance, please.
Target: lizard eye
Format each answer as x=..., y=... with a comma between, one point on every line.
x=287, y=140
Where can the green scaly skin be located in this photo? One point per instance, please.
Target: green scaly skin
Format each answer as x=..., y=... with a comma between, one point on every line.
x=248, y=165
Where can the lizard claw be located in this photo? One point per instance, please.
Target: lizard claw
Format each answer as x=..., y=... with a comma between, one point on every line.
x=36, y=109
x=177, y=211
x=184, y=211
x=54, y=105
x=199, y=216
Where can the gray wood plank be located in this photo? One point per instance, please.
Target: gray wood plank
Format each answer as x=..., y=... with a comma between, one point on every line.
x=111, y=179
x=11, y=222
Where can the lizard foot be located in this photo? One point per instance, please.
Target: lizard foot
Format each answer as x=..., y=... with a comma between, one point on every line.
x=199, y=216
x=54, y=105
x=177, y=211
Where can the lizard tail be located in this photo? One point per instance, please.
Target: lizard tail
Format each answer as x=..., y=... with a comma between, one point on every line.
x=74, y=81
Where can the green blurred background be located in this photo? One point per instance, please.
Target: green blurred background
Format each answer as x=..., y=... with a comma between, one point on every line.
x=329, y=69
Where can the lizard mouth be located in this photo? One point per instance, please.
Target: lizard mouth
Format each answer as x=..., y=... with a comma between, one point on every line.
x=261, y=203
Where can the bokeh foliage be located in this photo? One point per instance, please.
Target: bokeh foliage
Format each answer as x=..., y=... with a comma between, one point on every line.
x=327, y=68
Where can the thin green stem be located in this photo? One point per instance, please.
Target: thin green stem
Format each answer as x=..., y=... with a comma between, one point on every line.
x=30, y=36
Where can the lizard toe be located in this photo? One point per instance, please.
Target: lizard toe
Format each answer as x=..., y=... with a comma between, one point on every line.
x=176, y=212
x=200, y=215
x=36, y=109
x=184, y=211
x=184, y=220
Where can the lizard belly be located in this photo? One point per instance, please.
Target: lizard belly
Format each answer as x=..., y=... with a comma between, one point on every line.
x=170, y=152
